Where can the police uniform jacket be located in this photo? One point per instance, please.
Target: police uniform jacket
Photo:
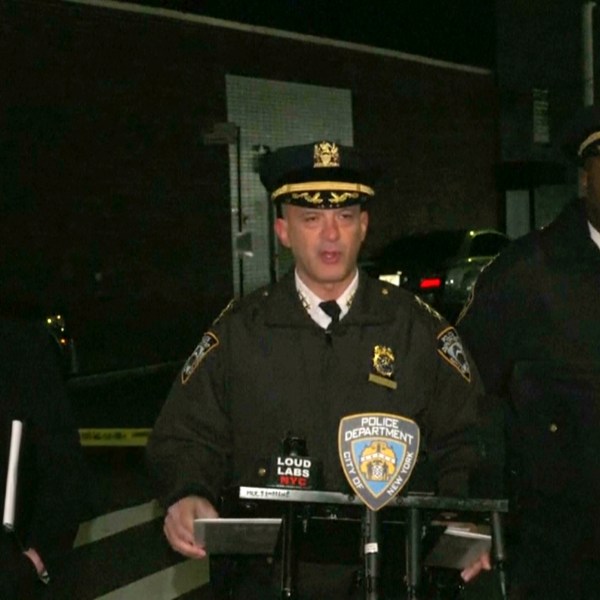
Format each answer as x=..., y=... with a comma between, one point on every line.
x=534, y=329
x=265, y=369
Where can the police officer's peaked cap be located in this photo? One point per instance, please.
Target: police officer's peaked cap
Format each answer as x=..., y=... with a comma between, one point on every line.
x=319, y=175
x=582, y=134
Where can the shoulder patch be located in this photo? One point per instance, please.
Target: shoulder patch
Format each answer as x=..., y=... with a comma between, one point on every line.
x=427, y=307
x=451, y=350
x=208, y=342
x=229, y=306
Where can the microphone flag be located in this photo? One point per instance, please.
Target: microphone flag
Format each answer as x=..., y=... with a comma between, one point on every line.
x=293, y=468
x=378, y=452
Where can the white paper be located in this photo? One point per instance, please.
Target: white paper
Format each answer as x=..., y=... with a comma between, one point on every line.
x=10, y=495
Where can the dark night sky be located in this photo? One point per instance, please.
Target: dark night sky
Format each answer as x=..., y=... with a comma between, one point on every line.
x=455, y=30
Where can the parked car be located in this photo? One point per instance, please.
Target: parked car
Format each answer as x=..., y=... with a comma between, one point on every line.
x=55, y=325
x=64, y=344
x=439, y=266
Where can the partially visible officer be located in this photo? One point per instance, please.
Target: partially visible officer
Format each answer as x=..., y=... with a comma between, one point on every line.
x=50, y=495
x=533, y=326
x=276, y=362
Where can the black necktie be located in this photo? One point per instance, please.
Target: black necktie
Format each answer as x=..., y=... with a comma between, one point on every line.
x=331, y=308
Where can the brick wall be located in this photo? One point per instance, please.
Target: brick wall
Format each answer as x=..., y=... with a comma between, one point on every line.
x=113, y=210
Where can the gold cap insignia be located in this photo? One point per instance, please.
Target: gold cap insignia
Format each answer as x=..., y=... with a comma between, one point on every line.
x=326, y=154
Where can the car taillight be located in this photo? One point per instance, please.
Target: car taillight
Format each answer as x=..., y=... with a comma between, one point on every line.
x=430, y=283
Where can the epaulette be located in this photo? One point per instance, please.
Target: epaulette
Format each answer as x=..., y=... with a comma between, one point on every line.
x=428, y=308
x=469, y=301
x=229, y=306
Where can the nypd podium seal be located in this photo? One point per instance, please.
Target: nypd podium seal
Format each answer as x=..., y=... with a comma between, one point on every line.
x=378, y=452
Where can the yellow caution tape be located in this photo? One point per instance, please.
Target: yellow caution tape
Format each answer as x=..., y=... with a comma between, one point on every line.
x=114, y=437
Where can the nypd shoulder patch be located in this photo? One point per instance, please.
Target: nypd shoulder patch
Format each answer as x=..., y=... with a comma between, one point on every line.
x=208, y=342
x=450, y=348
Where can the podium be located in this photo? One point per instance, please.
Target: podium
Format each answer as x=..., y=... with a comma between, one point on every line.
x=415, y=511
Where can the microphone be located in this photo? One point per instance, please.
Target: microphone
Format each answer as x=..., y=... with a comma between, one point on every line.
x=293, y=468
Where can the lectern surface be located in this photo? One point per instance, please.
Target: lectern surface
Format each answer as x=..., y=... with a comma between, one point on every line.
x=237, y=536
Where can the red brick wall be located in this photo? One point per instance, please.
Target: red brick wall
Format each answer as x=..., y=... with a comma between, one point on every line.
x=114, y=210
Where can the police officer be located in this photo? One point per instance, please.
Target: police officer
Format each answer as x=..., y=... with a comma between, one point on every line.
x=52, y=497
x=281, y=360
x=533, y=326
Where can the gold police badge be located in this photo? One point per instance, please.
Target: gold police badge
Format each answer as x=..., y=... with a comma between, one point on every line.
x=326, y=154
x=383, y=364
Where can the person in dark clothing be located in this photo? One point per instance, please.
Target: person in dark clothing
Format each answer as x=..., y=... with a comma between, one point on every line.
x=533, y=326
x=50, y=498
x=276, y=362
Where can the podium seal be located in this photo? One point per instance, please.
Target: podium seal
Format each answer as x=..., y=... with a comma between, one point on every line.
x=378, y=452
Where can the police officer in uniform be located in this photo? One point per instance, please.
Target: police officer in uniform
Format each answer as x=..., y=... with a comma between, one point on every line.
x=533, y=326
x=323, y=343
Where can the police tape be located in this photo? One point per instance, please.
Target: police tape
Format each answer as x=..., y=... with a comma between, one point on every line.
x=114, y=437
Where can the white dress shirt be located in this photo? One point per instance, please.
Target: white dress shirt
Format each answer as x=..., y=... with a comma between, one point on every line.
x=311, y=301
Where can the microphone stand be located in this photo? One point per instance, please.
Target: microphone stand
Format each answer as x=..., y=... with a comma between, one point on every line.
x=499, y=553
x=413, y=552
x=371, y=553
x=288, y=557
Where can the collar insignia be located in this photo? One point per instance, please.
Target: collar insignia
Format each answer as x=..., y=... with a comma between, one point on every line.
x=378, y=452
x=208, y=342
x=326, y=154
x=451, y=350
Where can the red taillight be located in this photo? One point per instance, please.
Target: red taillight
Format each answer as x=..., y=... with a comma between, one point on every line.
x=430, y=283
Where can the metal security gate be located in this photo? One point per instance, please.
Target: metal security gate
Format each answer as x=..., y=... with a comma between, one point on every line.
x=271, y=114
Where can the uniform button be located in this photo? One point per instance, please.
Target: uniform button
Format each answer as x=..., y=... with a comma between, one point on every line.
x=262, y=472
x=385, y=291
x=553, y=427
x=265, y=293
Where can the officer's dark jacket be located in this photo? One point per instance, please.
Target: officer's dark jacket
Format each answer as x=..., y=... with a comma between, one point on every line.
x=51, y=498
x=533, y=327
x=265, y=369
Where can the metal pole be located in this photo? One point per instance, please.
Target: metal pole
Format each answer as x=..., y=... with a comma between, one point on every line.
x=288, y=558
x=413, y=553
x=499, y=553
x=238, y=145
x=587, y=50
x=371, y=553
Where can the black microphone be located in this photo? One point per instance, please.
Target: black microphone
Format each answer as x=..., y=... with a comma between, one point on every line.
x=293, y=468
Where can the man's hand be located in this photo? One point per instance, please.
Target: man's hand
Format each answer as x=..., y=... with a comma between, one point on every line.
x=483, y=563
x=38, y=563
x=179, y=524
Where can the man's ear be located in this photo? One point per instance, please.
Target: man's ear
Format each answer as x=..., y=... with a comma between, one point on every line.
x=364, y=224
x=281, y=230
